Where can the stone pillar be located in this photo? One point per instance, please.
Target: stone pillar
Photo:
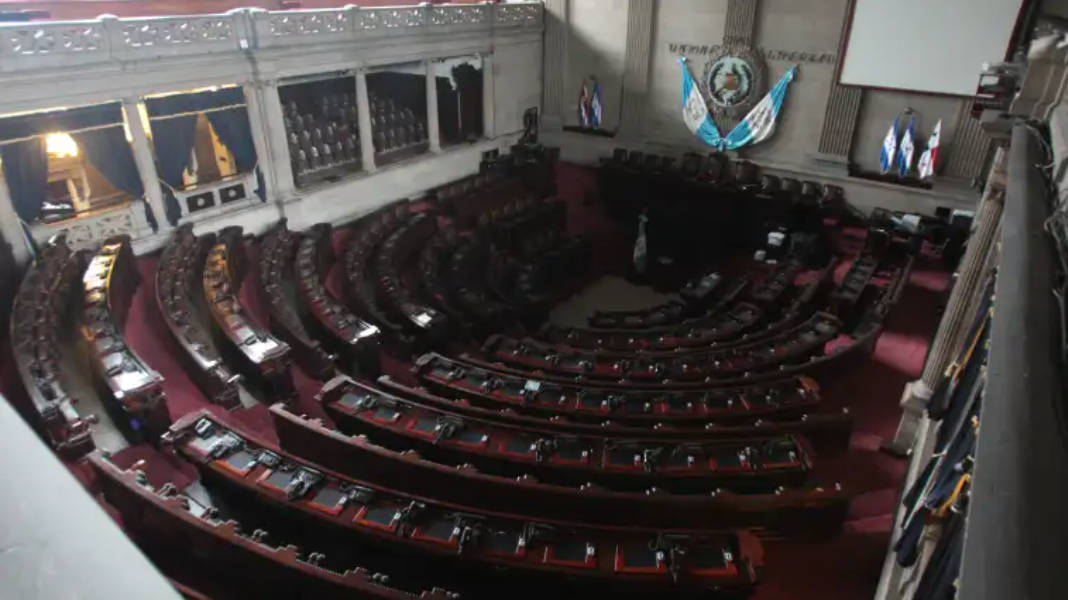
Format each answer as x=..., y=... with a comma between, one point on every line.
x=261, y=138
x=489, y=110
x=555, y=64
x=272, y=122
x=641, y=16
x=146, y=162
x=433, y=127
x=970, y=147
x=11, y=226
x=956, y=319
x=363, y=110
x=737, y=31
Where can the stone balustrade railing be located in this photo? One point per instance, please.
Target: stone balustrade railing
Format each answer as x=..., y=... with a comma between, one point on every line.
x=36, y=45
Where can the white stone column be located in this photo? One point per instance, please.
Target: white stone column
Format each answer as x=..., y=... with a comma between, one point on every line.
x=146, y=162
x=957, y=318
x=433, y=128
x=272, y=123
x=257, y=121
x=489, y=110
x=363, y=109
x=11, y=226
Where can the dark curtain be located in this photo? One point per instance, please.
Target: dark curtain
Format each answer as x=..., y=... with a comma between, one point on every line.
x=26, y=172
x=173, y=139
x=177, y=104
x=61, y=120
x=108, y=151
x=235, y=132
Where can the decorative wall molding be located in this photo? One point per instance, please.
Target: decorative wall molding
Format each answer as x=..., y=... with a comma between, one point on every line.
x=641, y=20
x=970, y=149
x=31, y=46
x=741, y=22
x=555, y=69
x=839, y=123
x=90, y=230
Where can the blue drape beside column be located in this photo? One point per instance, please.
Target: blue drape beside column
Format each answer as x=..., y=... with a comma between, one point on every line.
x=173, y=139
x=235, y=132
x=26, y=172
x=108, y=151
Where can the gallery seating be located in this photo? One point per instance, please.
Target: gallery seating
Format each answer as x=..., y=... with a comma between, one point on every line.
x=126, y=384
x=330, y=138
x=278, y=288
x=800, y=511
x=177, y=529
x=181, y=302
x=42, y=318
x=398, y=131
x=264, y=359
x=355, y=340
x=473, y=541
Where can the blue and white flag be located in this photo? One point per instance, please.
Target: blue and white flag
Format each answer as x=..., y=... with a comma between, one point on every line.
x=756, y=127
x=886, y=159
x=595, y=106
x=904, y=158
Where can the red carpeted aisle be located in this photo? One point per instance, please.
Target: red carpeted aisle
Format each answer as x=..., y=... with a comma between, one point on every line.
x=844, y=568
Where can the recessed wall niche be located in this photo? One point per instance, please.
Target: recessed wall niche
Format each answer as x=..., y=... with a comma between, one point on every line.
x=397, y=95
x=459, y=85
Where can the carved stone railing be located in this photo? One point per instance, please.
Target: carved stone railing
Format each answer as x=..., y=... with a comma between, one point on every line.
x=35, y=45
x=89, y=230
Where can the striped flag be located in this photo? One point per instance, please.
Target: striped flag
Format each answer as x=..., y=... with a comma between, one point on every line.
x=886, y=159
x=759, y=124
x=584, y=106
x=695, y=112
x=595, y=106
x=929, y=157
x=640, y=245
x=908, y=147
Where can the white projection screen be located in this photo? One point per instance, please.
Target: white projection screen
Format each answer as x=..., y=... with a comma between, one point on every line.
x=928, y=46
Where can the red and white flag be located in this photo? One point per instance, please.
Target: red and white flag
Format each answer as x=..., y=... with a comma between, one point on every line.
x=929, y=157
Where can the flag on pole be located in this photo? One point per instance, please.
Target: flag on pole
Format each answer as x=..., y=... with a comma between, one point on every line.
x=695, y=112
x=759, y=124
x=595, y=106
x=640, y=245
x=886, y=160
x=908, y=146
x=929, y=158
x=584, y=106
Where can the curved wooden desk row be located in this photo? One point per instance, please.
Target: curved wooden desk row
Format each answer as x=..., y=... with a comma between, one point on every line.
x=469, y=539
x=355, y=339
x=692, y=297
x=828, y=433
x=496, y=448
x=518, y=224
x=726, y=317
x=469, y=199
x=168, y=524
x=278, y=288
x=124, y=380
x=775, y=286
x=181, y=302
x=394, y=257
x=361, y=247
x=466, y=276
x=779, y=511
x=433, y=260
x=533, y=281
x=799, y=343
x=263, y=358
x=41, y=320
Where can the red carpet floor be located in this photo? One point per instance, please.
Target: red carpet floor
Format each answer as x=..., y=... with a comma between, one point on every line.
x=844, y=568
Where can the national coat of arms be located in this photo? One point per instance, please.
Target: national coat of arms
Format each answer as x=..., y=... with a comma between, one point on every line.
x=732, y=79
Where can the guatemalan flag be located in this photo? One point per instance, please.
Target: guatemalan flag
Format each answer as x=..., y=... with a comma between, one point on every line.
x=756, y=127
x=886, y=159
x=595, y=106
x=908, y=147
x=929, y=157
x=641, y=249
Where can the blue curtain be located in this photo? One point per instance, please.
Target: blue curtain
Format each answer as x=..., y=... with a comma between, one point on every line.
x=108, y=151
x=33, y=124
x=26, y=173
x=173, y=139
x=235, y=132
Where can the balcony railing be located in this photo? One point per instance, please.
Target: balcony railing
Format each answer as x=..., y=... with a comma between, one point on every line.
x=35, y=45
